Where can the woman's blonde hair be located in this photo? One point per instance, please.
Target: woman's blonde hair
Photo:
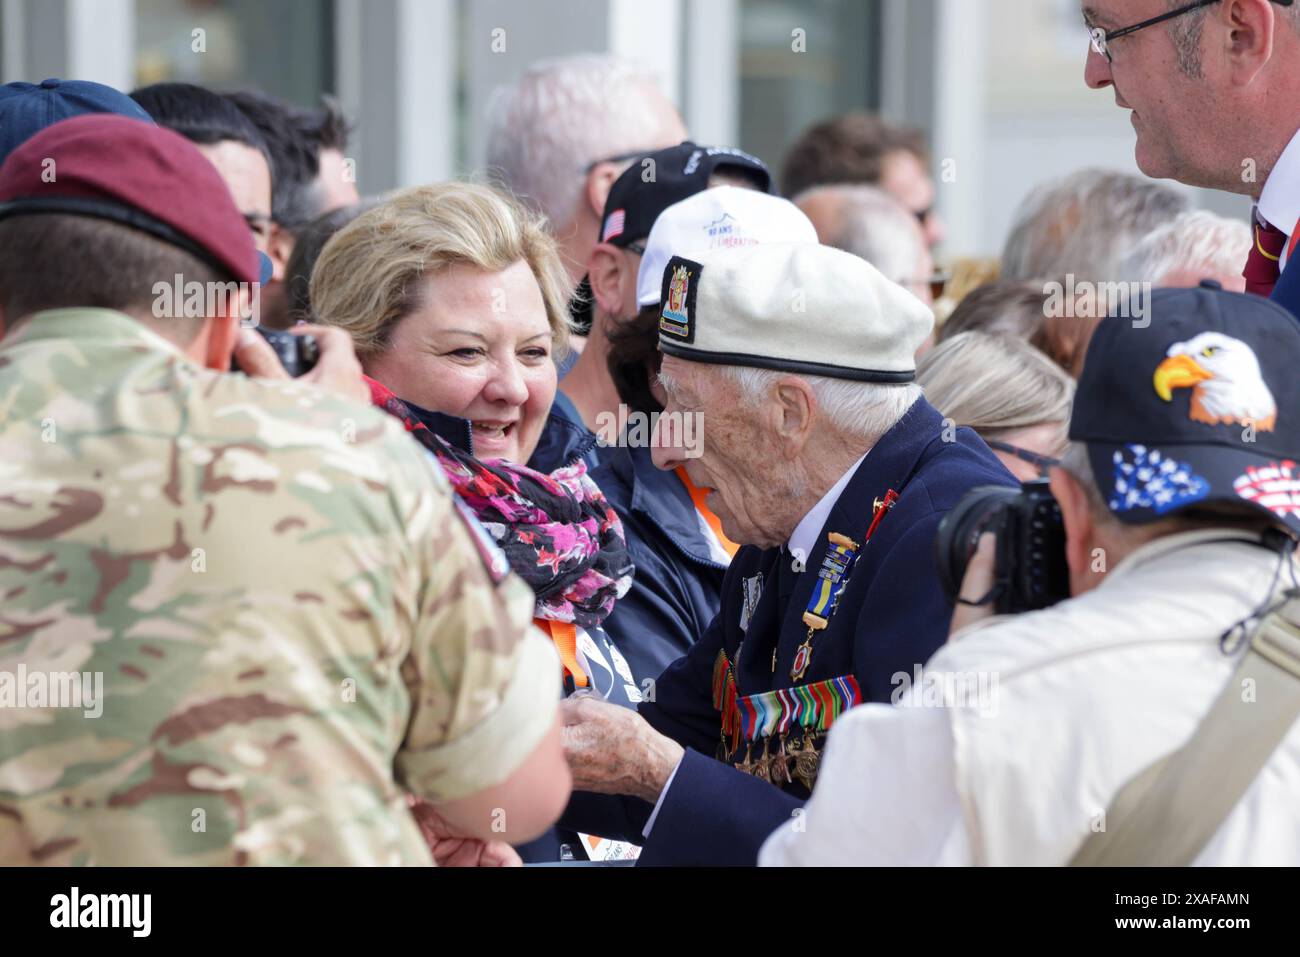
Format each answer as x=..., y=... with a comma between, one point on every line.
x=373, y=272
x=995, y=383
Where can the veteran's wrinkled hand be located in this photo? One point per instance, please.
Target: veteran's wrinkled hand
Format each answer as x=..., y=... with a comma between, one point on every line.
x=613, y=750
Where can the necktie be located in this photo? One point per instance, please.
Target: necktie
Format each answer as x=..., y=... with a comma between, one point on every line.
x=1264, y=267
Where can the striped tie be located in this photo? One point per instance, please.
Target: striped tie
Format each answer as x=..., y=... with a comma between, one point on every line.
x=1264, y=267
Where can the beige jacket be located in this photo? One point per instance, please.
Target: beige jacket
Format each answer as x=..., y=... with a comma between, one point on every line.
x=1024, y=729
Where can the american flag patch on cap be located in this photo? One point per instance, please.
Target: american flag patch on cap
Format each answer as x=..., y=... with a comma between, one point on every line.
x=614, y=223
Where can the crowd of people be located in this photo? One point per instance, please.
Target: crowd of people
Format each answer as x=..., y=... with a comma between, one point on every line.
x=608, y=519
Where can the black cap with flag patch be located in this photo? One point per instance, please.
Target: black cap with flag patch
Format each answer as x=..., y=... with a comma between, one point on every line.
x=1195, y=404
x=658, y=180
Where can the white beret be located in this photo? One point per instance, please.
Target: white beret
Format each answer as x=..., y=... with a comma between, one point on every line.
x=717, y=218
x=795, y=307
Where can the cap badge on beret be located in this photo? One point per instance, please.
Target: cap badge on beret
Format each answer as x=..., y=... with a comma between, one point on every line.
x=1224, y=375
x=681, y=282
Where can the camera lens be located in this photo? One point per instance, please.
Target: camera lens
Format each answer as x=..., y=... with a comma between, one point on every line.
x=959, y=532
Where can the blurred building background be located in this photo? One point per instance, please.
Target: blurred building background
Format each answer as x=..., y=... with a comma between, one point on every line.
x=997, y=84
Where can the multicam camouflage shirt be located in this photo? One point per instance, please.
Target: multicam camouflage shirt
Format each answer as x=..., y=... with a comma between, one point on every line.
x=288, y=623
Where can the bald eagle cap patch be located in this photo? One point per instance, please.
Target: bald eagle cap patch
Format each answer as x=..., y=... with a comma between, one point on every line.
x=1227, y=385
x=681, y=282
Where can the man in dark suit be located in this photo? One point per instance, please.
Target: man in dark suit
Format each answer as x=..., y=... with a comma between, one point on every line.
x=1212, y=87
x=1287, y=291
x=823, y=458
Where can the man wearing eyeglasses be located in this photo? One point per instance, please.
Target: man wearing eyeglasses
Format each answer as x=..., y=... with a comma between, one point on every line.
x=563, y=133
x=1213, y=87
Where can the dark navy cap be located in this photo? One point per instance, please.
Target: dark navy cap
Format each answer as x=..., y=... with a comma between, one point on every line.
x=28, y=108
x=660, y=179
x=1200, y=406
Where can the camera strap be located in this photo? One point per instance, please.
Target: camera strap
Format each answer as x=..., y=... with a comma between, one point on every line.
x=1169, y=812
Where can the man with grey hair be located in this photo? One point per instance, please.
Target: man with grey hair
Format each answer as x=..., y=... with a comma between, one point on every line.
x=1128, y=723
x=821, y=457
x=561, y=135
x=873, y=225
x=1198, y=245
x=1211, y=87
x=1084, y=224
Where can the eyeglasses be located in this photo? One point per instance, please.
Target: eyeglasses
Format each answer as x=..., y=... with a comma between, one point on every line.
x=620, y=158
x=1101, y=39
x=1042, y=462
x=936, y=282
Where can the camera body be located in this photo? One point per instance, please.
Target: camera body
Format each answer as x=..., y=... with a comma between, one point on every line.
x=1031, y=571
x=298, y=354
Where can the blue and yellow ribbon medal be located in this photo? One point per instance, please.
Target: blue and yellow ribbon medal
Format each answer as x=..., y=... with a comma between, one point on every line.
x=834, y=575
x=837, y=565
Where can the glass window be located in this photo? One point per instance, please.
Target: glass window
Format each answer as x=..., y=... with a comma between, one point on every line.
x=791, y=79
x=283, y=47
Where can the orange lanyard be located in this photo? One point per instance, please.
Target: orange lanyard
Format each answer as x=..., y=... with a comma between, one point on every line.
x=698, y=496
x=564, y=635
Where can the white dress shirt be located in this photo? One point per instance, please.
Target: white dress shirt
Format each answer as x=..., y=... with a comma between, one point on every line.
x=801, y=544
x=1279, y=202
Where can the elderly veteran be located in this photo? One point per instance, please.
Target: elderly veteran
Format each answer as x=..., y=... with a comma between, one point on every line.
x=823, y=458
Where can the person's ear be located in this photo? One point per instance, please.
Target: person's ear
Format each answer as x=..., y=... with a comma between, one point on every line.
x=222, y=334
x=1079, y=529
x=1249, y=27
x=605, y=272
x=792, y=415
x=279, y=247
x=599, y=182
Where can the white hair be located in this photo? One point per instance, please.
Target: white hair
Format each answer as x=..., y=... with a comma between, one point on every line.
x=1085, y=224
x=873, y=225
x=559, y=118
x=1197, y=240
x=861, y=409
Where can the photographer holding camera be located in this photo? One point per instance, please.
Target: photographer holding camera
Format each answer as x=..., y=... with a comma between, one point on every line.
x=290, y=623
x=1140, y=705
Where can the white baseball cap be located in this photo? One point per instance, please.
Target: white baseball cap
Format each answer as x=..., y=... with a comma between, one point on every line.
x=724, y=217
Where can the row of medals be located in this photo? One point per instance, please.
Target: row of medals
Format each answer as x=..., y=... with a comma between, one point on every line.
x=775, y=768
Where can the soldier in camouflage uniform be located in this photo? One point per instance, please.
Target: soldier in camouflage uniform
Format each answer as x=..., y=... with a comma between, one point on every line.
x=294, y=624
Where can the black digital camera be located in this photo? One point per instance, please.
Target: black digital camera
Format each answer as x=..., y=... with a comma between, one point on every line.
x=298, y=354
x=1031, y=569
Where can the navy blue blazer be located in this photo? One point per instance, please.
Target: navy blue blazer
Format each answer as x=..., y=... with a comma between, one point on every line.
x=677, y=587
x=1287, y=291
x=892, y=616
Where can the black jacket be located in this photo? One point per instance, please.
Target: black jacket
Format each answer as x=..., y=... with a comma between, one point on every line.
x=892, y=616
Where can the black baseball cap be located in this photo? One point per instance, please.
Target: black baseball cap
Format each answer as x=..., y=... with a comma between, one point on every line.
x=657, y=180
x=1198, y=403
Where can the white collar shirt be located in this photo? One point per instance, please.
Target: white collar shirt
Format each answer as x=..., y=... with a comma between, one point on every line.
x=1279, y=202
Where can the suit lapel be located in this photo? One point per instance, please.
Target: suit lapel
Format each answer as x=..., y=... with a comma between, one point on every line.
x=889, y=465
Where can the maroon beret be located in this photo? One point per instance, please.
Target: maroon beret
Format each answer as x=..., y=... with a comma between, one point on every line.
x=122, y=169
